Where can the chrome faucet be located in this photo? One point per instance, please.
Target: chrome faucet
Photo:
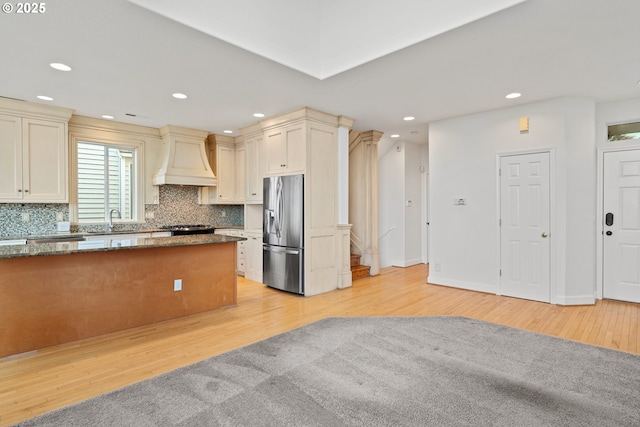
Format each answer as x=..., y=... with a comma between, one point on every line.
x=111, y=218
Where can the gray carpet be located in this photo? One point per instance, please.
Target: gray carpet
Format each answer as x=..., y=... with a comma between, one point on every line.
x=383, y=371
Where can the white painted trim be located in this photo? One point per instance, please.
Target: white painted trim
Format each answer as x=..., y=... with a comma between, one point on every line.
x=599, y=210
x=406, y=263
x=424, y=228
x=553, y=297
x=576, y=300
x=118, y=140
x=453, y=283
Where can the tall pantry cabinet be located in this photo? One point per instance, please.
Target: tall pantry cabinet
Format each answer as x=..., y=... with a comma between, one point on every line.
x=34, y=165
x=306, y=141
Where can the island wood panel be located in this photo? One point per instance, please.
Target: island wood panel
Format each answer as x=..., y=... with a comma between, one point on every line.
x=50, y=300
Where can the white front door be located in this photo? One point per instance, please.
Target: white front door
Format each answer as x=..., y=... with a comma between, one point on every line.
x=524, y=226
x=621, y=215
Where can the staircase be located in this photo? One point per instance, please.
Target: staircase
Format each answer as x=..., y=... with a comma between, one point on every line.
x=358, y=271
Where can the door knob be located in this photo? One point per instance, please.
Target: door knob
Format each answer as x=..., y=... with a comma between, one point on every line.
x=609, y=233
x=544, y=235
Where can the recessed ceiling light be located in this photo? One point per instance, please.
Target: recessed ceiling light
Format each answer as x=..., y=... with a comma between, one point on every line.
x=258, y=115
x=45, y=98
x=408, y=118
x=179, y=95
x=513, y=95
x=60, y=66
x=228, y=131
x=108, y=117
x=395, y=135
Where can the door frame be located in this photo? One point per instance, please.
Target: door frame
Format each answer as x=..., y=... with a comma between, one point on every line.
x=552, y=217
x=599, y=216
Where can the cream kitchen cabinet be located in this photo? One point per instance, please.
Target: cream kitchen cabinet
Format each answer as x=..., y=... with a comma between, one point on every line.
x=33, y=160
x=227, y=162
x=285, y=149
x=254, y=166
x=241, y=247
x=240, y=172
x=253, y=264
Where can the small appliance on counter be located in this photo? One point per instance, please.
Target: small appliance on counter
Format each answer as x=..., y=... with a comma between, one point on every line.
x=283, y=237
x=183, y=230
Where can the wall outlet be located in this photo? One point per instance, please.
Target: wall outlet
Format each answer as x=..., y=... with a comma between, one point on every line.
x=437, y=266
x=223, y=214
x=177, y=285
x=460, y=202
x=59, y=216
x=149, y=215
x=25, y=216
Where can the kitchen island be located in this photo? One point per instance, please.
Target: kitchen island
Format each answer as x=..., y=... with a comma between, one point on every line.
x=54, y=293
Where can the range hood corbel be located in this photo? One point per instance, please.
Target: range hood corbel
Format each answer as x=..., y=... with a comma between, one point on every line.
x=184, y=158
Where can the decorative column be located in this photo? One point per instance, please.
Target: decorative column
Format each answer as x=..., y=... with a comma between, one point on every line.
x=343, y=233
x=371, y=253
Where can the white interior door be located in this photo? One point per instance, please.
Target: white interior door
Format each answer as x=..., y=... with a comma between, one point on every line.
x=524, y=226
x=621, y=246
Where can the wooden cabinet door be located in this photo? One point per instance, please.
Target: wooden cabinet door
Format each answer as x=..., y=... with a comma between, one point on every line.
x=285, y=150
x=239, y=174
x=254, y=257
x=225, y=160
x=10, y=158
x=45, y=153
x=295, y=149
x=253, y=167
x=274, y=149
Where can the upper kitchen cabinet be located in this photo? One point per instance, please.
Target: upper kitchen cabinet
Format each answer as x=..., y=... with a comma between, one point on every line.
x=34, y=166
x=227, y=161
x=285, y=149
x=254, y=165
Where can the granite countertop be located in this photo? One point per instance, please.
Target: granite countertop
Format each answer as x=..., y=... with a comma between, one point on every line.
x=110, y=244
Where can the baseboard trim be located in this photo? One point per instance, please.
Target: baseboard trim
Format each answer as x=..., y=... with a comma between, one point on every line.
x=470, y=286
x=576, y=300
x=406, y=263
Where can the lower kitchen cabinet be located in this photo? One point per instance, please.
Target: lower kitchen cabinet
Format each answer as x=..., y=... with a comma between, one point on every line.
x=241, y=247
x=254, y=256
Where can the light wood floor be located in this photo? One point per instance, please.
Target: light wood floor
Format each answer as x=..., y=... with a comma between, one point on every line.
x=58, y=376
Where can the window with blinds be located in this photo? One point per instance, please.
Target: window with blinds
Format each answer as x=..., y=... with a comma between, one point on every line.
x=106, y=180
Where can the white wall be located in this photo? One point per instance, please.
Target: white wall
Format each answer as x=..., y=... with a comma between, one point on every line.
x=399, y=225
x=390, y=208
x=413, y=213
x=462, y=164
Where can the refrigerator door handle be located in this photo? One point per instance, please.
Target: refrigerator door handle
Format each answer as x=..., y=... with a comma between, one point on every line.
x=280, y=249
x=279, y=207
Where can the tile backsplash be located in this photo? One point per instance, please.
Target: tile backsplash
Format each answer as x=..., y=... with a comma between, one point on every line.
x=178, y=205
x=41, y=218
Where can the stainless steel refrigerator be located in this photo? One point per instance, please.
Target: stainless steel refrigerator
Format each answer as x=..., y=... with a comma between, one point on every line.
x=283, y=233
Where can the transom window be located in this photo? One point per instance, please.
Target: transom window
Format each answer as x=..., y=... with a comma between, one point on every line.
x=624, y=131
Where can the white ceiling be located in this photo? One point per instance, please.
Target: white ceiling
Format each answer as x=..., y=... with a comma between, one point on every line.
x=323, y=38
x=127, y=59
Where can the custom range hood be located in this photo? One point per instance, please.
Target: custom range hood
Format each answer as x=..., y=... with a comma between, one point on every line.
x=184, y=158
